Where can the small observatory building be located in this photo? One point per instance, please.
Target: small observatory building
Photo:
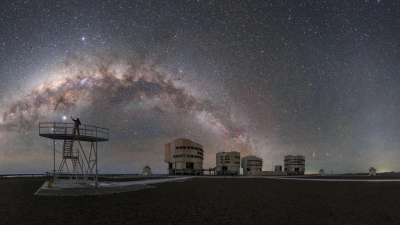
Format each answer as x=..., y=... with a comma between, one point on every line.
x=372, y=171
x=147, y=171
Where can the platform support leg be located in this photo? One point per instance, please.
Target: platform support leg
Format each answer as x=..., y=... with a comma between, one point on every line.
x=54, y=150
x=97, y=171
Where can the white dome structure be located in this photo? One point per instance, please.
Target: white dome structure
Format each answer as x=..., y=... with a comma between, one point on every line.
x=147, y=171
x=372, y=171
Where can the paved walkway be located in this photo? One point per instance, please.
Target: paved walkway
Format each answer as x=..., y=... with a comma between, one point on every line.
x=143, y=182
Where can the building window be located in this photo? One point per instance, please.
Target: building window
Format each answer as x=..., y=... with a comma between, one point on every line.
x=189, y=165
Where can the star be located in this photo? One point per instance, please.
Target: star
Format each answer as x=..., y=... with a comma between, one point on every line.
x=262, y=79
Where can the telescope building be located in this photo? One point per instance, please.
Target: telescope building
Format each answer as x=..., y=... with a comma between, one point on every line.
x=184, y=157
x=295, y=164
x=251, y=164
x=228, y=163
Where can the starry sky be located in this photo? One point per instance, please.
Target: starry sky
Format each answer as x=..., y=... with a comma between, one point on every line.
x=266, y=78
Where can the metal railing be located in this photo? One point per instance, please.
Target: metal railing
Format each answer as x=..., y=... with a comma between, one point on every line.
x=68, y=129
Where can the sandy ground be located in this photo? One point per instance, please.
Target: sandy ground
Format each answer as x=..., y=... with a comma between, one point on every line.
x=349, y=177
x=208, y=201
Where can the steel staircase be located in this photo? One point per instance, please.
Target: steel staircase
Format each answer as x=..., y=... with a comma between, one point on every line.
x=73, y=154
x=67, y=149
x=77, y=167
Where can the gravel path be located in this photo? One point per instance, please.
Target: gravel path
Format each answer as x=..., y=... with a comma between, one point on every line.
x=208, y=201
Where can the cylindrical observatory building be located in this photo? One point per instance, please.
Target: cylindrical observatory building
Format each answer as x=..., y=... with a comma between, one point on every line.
x=228, y=163
x=251, y=163
x=184, y=157
x=295, y=164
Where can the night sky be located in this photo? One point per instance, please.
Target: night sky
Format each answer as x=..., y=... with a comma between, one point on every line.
x=267, y=78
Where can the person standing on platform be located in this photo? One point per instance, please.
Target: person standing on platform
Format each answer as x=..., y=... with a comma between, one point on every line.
x=77, y=123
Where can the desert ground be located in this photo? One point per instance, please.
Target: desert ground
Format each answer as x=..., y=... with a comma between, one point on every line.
x=208, y=201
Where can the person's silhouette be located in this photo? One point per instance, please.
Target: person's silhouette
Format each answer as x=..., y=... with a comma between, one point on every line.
x=77, y=123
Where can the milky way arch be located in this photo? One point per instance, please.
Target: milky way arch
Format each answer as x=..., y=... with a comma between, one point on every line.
x=113, y=82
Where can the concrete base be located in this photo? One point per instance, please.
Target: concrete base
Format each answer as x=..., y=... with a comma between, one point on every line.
x=71, y=188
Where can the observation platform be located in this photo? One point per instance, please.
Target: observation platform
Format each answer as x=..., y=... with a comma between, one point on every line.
x=65, y=131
